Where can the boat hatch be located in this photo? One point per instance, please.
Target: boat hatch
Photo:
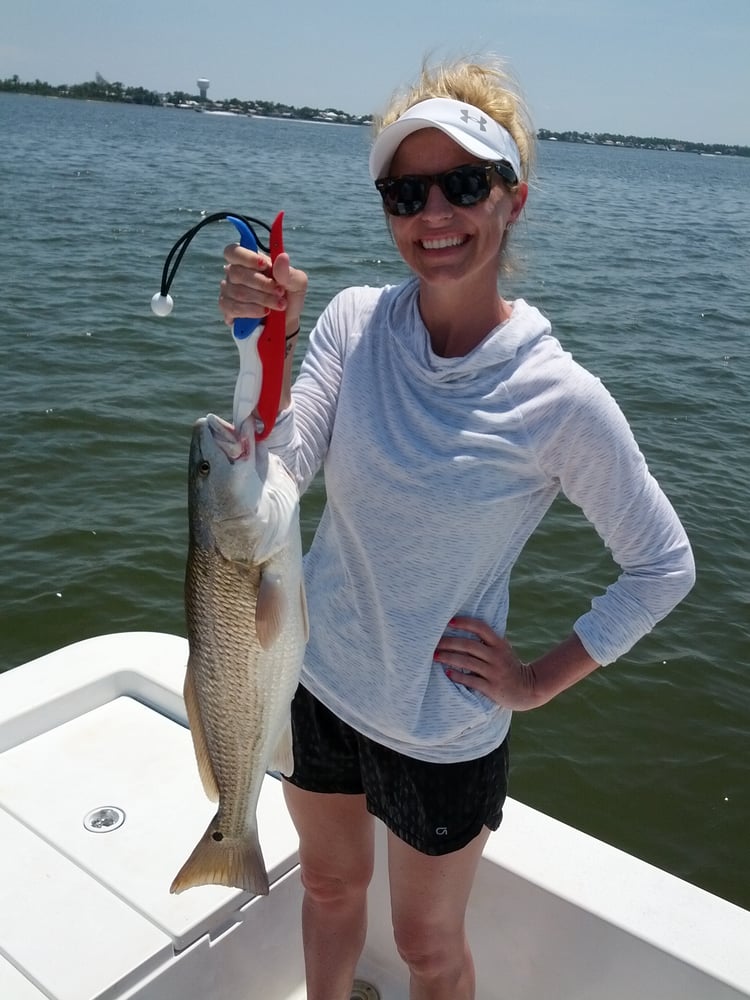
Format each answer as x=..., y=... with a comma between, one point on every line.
x=97, y=814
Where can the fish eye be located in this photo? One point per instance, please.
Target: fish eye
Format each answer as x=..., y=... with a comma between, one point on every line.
x=204, y=468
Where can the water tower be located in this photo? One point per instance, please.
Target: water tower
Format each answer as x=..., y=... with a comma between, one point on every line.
x=203, y=87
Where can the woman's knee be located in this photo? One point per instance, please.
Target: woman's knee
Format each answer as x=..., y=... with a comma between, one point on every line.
x=332, y=885
x=428, y=948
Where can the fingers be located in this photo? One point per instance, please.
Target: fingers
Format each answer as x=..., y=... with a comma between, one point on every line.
x=453, y=648
x=465, y=660
x=247, y=291
x=481, y=645
x=292, y=279
x=252, y=287
x=482, y=660
x=487, y=662
x=475, y=625
x=282, y=270
x=254, y=260
x=250, y=301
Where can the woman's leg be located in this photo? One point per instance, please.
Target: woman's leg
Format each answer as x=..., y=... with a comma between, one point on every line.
x=429, y=896
x=336, y=860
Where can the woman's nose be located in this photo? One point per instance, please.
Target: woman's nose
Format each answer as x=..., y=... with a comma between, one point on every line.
x=437, y=205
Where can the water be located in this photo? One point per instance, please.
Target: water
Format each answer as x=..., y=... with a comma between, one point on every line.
x=640, y=258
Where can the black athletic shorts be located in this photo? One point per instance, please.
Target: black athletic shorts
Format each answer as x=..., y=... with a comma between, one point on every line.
x=436, y=808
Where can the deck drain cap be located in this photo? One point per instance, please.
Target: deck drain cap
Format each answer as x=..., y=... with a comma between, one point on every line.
x=364, y=991
x=104, y=819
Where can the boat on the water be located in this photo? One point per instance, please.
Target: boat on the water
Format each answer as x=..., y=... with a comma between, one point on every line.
x=100, y=802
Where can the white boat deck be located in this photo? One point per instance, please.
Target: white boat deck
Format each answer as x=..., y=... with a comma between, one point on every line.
x=84, y=915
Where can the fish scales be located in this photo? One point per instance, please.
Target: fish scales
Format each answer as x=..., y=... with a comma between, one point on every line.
x=233, y=678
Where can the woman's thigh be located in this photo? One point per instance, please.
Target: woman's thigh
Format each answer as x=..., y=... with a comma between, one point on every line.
x=336, y=834
x=429, y=894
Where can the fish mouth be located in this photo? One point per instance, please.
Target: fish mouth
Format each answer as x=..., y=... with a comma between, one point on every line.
x=235, y=446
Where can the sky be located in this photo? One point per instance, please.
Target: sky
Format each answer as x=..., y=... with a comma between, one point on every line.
x=676, y=69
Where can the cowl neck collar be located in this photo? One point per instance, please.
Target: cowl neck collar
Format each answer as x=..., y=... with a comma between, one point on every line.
x=500, y=346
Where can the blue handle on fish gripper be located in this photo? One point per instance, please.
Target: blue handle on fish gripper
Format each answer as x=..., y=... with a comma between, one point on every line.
x=242, y=328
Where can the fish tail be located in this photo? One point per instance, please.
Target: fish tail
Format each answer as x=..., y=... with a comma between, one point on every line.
x=218, y=860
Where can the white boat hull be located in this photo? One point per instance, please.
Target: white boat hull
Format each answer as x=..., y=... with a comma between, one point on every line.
x=555, y=915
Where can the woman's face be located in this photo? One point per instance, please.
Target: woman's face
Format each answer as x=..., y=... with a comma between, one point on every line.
x=445, y=242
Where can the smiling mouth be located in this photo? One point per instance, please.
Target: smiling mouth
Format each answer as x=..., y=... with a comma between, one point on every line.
x=442, y=244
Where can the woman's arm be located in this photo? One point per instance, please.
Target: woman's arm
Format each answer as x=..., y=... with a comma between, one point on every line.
x=488, y=663
x=588, y=447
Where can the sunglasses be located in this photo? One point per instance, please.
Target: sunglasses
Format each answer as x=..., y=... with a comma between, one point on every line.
x=466, y=185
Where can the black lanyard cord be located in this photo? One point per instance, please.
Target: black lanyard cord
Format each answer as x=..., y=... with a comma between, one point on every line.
x=181, y=245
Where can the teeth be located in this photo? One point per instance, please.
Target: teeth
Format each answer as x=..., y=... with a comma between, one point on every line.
x=449, y=241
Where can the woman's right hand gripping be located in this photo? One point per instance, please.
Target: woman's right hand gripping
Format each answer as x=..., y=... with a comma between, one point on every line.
x=251, y=288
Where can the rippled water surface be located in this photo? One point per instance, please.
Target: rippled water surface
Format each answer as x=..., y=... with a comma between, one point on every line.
x=641, y=260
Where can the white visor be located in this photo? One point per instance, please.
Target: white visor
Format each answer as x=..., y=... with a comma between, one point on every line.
x=470, y=127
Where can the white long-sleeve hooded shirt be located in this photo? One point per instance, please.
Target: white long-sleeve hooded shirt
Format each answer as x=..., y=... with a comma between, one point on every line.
x=437, y=471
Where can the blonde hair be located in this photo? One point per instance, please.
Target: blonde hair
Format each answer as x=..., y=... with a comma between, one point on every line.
x=488, y=86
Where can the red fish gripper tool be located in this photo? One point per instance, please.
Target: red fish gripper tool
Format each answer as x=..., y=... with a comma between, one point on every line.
x=262, y=369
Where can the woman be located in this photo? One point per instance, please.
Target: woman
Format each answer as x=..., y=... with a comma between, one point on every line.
x=447, y=419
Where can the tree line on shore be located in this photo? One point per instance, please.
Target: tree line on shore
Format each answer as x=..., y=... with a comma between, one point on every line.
x=100, y=89
x=640, y=142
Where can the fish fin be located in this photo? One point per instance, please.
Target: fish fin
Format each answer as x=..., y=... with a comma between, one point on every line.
x=303, y=607
x=282, y=759
x=237, y=863
x=205, y=767
x=270, y=609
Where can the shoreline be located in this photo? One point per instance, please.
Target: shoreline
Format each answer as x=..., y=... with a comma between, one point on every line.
x=659, y=144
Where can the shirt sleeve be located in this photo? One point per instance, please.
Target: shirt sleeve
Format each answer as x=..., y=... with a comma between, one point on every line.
x=591, y=450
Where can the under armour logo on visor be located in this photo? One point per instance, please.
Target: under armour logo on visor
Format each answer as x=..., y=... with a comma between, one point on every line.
x=481, y=121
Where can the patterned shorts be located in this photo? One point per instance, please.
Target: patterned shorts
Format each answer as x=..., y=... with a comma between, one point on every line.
x=436, y=808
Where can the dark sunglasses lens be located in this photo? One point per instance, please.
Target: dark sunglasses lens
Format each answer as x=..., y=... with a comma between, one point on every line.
x=466, y=185
x=405, y=195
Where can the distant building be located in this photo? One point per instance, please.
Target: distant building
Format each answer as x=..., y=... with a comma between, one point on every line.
x=203, y=86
